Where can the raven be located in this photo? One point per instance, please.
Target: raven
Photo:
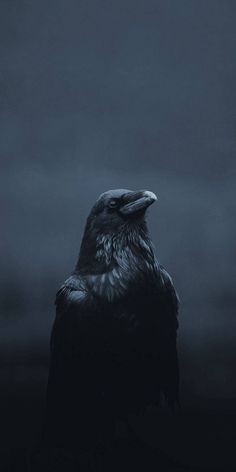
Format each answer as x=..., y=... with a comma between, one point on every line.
x=113, y=342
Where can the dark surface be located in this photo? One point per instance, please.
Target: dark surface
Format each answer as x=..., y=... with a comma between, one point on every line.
x=98, y=95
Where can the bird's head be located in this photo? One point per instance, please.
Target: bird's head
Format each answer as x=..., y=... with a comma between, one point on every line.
x=116, y=214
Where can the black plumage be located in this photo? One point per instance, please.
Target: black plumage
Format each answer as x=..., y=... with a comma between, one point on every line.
x=113, y=343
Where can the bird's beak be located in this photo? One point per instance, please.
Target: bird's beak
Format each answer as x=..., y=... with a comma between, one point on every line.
x=137, y=202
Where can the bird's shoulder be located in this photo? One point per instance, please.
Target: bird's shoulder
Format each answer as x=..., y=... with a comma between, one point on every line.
x=72, y=291
x=166, y=278
x=72, y=302
x=169, y=289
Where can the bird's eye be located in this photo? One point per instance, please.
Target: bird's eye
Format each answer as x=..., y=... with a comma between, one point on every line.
x=112, y=203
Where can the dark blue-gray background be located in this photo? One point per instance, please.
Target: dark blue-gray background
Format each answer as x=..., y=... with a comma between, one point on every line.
x=136, y=94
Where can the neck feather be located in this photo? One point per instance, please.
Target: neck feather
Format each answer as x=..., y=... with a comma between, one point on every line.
x=118, y=261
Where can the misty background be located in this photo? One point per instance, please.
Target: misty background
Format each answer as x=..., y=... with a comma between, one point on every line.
x=105, y=94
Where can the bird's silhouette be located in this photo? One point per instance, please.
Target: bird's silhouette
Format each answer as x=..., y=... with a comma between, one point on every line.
x=113, y=343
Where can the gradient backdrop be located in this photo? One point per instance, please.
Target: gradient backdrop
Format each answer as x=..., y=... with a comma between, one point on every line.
x=136, y=94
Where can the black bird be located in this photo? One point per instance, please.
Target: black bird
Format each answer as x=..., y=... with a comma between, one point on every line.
x=113, y=343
